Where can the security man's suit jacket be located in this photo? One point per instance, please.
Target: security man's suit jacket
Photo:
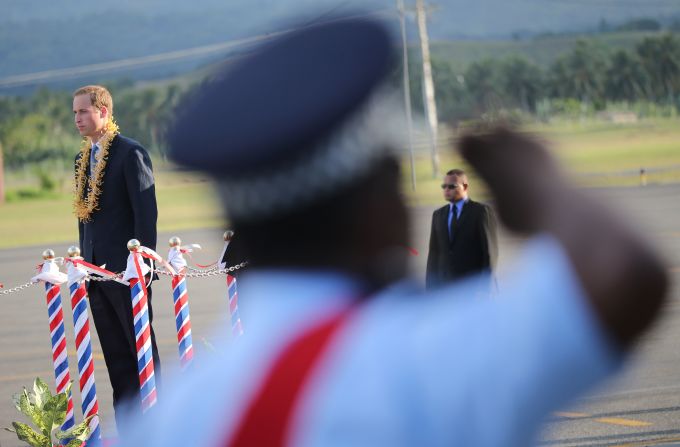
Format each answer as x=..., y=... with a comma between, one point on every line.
x=472, y=248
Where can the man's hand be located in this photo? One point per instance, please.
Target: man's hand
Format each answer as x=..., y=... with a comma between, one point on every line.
x=520, y=173
x=623, y=277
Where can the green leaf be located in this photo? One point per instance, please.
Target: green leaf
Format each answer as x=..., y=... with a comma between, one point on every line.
x=75, y=443
x=30, y=436
x=23, y=403
x=54, y=411
x=41, y=392
x=78, y=432
x=30, y=410
x=44, y=415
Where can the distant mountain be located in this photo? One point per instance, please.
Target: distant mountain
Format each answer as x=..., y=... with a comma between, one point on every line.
x=479, y=18
x=38, y=35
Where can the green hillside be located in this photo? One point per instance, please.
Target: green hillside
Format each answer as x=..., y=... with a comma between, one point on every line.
x=540, y=50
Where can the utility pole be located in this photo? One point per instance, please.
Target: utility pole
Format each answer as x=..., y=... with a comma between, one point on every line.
x=428, y=84
x=407, y=92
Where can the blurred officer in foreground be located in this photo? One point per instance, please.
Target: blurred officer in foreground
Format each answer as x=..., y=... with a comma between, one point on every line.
x=337, y=350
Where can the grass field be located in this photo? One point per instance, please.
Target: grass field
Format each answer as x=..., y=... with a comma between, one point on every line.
x=184, y=201
x=595, y=154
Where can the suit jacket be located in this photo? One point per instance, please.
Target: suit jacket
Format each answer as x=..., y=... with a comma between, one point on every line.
x=235, y=254
x=127, y=207
x=473, y=247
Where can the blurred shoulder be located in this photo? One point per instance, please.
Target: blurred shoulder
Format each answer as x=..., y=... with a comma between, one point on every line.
x=443, y=209
x=479, y=206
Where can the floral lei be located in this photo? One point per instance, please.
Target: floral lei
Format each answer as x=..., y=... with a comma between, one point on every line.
x=85, y=205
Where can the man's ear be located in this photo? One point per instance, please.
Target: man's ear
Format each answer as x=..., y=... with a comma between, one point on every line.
x=103, y=112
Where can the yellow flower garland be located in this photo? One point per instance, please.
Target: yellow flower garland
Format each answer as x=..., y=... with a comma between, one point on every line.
x=84, y=205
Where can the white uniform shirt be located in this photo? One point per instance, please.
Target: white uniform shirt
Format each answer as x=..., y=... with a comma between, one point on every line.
x=409, y=368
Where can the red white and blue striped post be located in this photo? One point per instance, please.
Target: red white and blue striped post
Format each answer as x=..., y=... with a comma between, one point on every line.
x=140, y=312
x=232, y=291
x=53, y=278
x=81, y=326
x=180, y=298
x=236, y=326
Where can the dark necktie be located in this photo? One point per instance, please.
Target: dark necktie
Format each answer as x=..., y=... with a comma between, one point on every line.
x=454, y=221
x=93, y=159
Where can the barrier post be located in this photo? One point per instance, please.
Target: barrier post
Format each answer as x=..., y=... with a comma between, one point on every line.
x=180, y=298
x=81, y=328
x=232, y=292
x=53, y=278
x=140, y=312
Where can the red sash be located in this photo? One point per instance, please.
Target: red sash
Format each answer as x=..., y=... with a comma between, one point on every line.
x=268, y=418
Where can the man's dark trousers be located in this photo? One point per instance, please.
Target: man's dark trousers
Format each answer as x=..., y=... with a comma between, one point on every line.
x=111, y=306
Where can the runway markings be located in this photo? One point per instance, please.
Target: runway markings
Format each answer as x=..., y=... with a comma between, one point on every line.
x=604, y=420
x=624, y=422
x=570, y=415
x=674, y=269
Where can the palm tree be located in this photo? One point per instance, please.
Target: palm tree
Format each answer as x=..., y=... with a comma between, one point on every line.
x=522, y=82
x=482, y=81
x=579, y=74
x=626, y=79
x=660, y=57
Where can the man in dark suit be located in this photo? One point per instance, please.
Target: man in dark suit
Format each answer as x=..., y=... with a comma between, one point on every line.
x=115, y=201
x=463, y=235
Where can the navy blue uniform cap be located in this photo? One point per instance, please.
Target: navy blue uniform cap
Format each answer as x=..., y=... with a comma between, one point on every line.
x=272, y=107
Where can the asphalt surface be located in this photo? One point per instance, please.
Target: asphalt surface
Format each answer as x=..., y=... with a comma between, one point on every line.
x=640, y=407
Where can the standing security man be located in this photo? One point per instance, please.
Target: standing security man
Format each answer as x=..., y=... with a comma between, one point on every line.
x=463, y=236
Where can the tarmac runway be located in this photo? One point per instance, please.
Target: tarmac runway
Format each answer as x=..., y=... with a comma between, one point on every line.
x=640, y=407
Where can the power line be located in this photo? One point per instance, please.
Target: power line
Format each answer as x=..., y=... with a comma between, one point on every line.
x=159, y=58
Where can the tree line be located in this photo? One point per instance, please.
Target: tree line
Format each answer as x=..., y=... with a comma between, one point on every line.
x=40, y=127
x=587, y=75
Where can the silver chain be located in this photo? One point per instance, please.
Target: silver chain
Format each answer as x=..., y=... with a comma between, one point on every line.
x=196, y=274
x=17, y=288
x=209, y=269
x=102, y=278
x=206, y=273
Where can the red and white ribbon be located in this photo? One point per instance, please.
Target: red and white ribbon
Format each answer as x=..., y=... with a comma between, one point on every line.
x=93, y=269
